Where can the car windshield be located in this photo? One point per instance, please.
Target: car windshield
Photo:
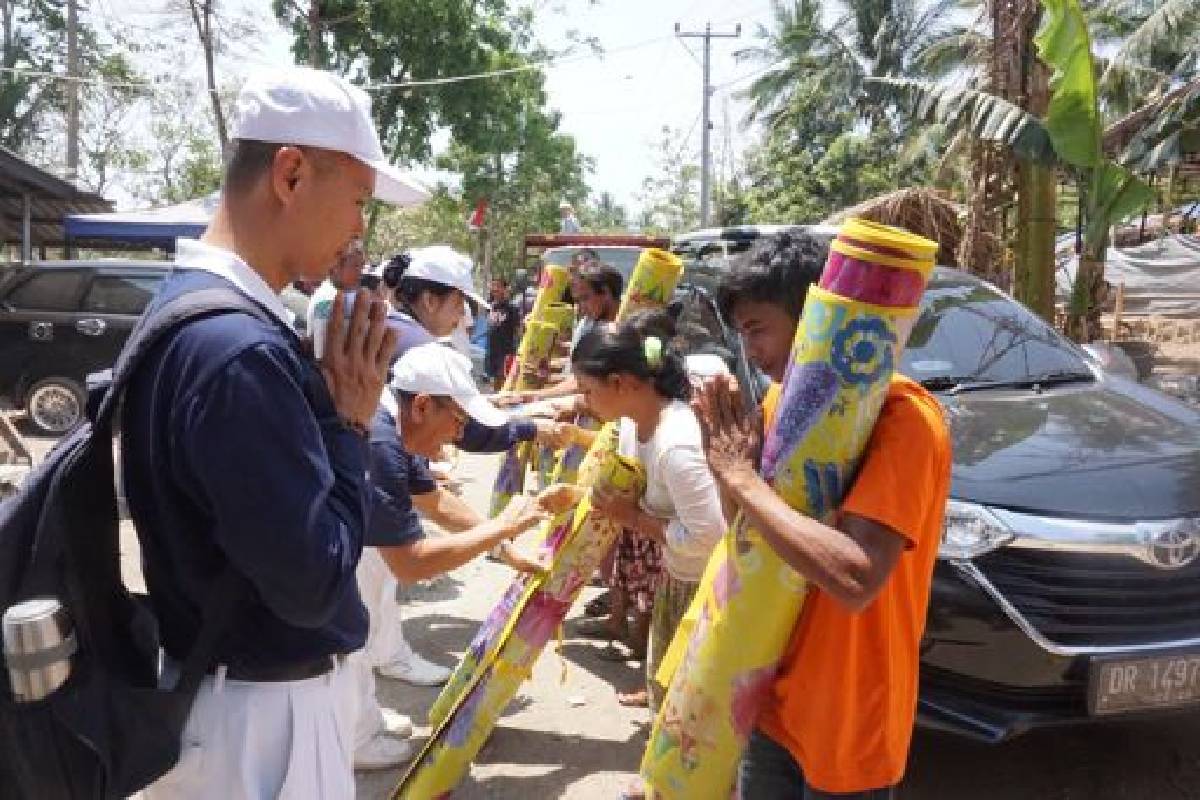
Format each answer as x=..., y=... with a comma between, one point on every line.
x=969, y=333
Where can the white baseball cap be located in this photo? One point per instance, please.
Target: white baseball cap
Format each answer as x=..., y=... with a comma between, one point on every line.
x=303, y=106
x=436, y=369
x=443, y=264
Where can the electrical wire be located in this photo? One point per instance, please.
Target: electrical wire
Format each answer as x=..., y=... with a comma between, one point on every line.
x=533, y=65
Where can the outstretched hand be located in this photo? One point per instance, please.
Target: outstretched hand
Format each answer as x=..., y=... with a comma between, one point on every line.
x=560, y=497
x=521, y=561
x=555, y=435
x=620, y=507
x=522, y=513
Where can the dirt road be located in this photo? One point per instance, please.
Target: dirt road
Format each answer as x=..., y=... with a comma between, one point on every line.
x=569, y=739
x=545, y=747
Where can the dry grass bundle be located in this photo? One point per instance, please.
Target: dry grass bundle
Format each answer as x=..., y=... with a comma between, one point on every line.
x=926, y=212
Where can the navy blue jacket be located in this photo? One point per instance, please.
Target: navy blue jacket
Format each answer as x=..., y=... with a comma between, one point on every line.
x=478, y=439
x=396, y=475
x=233, y=454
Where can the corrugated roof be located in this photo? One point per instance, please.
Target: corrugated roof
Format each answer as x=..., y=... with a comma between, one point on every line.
x=51, y=199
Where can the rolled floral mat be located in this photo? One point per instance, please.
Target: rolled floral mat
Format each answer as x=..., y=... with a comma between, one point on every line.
x=652, y=281
x=563, y=316
x=512, y=637
x=650, y=286
x=552, y=288
x=720, y=666
x=537, y=346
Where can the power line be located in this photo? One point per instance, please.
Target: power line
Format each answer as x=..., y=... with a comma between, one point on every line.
x=733, y=81
x=533, y=65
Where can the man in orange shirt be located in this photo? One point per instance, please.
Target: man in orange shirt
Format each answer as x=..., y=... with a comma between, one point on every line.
x=840, y=717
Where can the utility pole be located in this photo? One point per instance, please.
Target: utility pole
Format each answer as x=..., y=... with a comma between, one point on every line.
x=72, y=90
x=706, y=124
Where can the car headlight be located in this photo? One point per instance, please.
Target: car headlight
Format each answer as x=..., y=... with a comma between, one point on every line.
x=971, y=530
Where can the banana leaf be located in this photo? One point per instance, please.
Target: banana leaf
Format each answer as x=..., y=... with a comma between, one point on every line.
x=1073, y=116
x=986, y=116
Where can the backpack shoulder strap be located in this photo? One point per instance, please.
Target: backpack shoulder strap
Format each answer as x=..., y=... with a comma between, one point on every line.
x=154, y=325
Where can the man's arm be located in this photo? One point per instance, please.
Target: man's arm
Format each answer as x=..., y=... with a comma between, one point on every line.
x=479, y=439
x=566, y=386
x=288, y=505
x=422, y=558
x=450, y=512
x=428, y=557
x=447, y=510
x=850, y=561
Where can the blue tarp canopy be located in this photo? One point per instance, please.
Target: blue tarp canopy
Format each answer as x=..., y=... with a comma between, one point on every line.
x=156, y=227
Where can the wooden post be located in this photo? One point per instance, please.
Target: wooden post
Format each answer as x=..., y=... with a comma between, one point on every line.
x=1118, y=310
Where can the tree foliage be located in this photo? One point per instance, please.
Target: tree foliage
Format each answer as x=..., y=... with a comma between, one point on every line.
x=670, y=196
x=831, y=135
x=35, y=38
x=399, y=41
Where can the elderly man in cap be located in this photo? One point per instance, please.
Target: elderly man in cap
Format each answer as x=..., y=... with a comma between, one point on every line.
x=432, y=398
x=244, y=457
x=568, y=222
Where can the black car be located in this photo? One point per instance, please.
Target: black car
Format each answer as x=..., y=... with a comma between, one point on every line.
x=60, y=321
x=1067, y=588
x=1068, y=584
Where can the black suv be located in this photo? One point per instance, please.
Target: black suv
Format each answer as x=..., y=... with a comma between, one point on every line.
x=60, y=321
x=1067, y=588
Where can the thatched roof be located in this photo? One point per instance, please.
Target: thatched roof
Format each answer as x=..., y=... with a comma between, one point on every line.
x=926, y=212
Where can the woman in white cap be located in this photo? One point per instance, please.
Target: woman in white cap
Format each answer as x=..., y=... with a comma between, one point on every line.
x=430, y=289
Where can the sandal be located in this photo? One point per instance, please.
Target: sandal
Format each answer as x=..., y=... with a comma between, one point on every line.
x=634, y=791
x=599, y=606
x=597, y=629
x=636, y=699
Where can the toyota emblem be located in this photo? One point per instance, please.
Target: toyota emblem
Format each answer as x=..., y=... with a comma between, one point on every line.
x=1173, y=545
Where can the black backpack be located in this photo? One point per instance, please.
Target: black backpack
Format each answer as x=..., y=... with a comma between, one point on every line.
x=111, y=729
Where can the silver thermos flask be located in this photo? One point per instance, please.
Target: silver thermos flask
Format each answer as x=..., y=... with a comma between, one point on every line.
x=39, y=641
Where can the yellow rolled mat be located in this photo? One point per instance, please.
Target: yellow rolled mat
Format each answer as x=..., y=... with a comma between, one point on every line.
x=720, y=666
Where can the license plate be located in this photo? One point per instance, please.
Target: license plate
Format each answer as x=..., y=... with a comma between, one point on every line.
x=1136, y=684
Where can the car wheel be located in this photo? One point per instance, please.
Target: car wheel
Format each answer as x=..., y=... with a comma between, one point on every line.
x=55, y=405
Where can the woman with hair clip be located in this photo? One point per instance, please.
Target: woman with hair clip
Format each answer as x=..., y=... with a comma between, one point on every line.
x=634, y=370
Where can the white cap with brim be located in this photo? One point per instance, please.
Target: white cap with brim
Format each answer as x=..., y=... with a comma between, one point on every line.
x=437, y=370
x=443, y=264
x=307, y=107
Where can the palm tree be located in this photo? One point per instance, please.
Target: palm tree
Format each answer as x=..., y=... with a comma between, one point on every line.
x=870, y=38
x=1158, y=47
x=1068, y=136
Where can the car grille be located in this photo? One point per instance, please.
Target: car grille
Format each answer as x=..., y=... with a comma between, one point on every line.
x=1095, y=599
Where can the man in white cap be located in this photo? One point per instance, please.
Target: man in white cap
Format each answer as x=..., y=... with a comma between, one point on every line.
x=431, y=287
x=244, y=457
x=433, y=396
x=568, y=223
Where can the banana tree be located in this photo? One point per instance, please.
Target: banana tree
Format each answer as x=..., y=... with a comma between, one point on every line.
x=1067, y=137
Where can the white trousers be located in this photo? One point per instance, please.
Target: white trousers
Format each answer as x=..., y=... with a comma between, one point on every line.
x=260, y=741
x=385, y=641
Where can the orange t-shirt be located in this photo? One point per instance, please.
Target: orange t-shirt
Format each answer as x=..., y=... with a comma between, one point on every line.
x=845, y=699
